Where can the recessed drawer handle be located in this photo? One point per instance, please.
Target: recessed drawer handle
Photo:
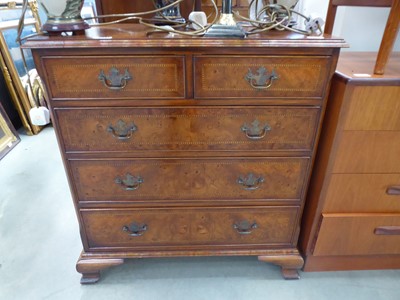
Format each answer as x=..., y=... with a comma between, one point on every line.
x=250, y=182
x=135, y=229
x=261, y=80
x=255, y=131
x=387, y=230
x=393, y=190
x=245, y=227
x=122, y=130
x=130, y=182
x=114, y=80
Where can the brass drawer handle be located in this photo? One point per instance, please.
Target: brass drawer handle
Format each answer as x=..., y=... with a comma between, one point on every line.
x=114, y=80
x=130, y=183
x=135, y=229
x=122, y=130
x=255, y=131
x=393, y=190
x=261, y=80
x=387, y=230
x=250, y=182
x=244, y=227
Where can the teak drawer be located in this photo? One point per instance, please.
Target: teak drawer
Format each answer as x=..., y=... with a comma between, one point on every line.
x=124, y=77
x=154, y=180
x=356, y=193
x=260, y=76
x=368, y=152
x=188, y=128
x=358, y=234
x=374, y=108
x=197, y=228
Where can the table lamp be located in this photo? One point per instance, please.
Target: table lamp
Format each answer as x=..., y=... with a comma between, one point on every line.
x=63, y=15
x=226, y=25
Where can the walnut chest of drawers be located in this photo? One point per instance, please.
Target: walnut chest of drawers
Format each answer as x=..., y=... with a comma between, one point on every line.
x=179, y=146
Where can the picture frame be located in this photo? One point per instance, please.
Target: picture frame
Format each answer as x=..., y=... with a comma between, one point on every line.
x=11, y=62
x=9, y=137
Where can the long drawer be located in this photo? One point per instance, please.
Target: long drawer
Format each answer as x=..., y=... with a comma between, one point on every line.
x=123, y=77
x=356, y=193
x=198, y=228
x=260, y=76
x=155, y=180
x=188, y=128
x=358, y=234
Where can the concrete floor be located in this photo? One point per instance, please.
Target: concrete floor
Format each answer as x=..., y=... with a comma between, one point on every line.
x=39, y=246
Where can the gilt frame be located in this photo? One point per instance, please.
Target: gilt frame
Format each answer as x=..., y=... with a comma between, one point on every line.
x=8, y=65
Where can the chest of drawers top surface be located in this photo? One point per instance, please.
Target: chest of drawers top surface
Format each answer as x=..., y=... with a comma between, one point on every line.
x=136, y=36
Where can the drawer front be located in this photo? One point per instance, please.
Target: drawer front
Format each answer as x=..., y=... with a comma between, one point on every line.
x=189, y=128
x=155, y=180
x=368, y=152
x=374, y=108
x=358, y=234
x=197, y=228
x=260, y=76
x=356, y=193
x=103, y=77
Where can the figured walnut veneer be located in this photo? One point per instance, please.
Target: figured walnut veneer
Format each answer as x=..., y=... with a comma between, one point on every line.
x=171, y=150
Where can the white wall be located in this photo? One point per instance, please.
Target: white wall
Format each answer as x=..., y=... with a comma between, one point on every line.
x=361, y=27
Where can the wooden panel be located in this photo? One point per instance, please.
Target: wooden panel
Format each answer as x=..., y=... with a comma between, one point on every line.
x=225, y=76
x=107, y=7
x=196, y=228
x=76, y=77
x=362, y=193
x=189, y=128
x=353, y=234
x=185, y=179
x=368, y=152
x=351, y=262
x=368, y=110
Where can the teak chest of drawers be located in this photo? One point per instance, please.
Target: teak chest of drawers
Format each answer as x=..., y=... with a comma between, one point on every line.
x=179, y=146
x=352, y=217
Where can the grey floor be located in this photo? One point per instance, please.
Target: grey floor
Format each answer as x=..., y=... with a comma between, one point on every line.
x=39, y=246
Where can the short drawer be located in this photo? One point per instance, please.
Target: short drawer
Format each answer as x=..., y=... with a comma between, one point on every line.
x=155, y=180
x=368, y=152
x=196, y=228
x=356, y=193
x=125, y=77
x=374, y=108
x=358, y=234
x=188, y=128
x=260, y=76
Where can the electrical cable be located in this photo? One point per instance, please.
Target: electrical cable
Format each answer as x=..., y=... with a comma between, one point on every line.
x=157, y=28
x=273, y=16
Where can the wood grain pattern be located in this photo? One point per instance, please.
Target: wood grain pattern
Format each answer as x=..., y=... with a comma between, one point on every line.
x=368, y=152
x=170, y=162
x=358, y=67
x=76, y=77
x=198, y=228
x=190, y=179
x=359, y=193
x=351, y=262
x=356, y=171
x=90, y=268
x=297, y=76
x=353, y=234
x=368, y=110
x=190, y=128
x=389, y=37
